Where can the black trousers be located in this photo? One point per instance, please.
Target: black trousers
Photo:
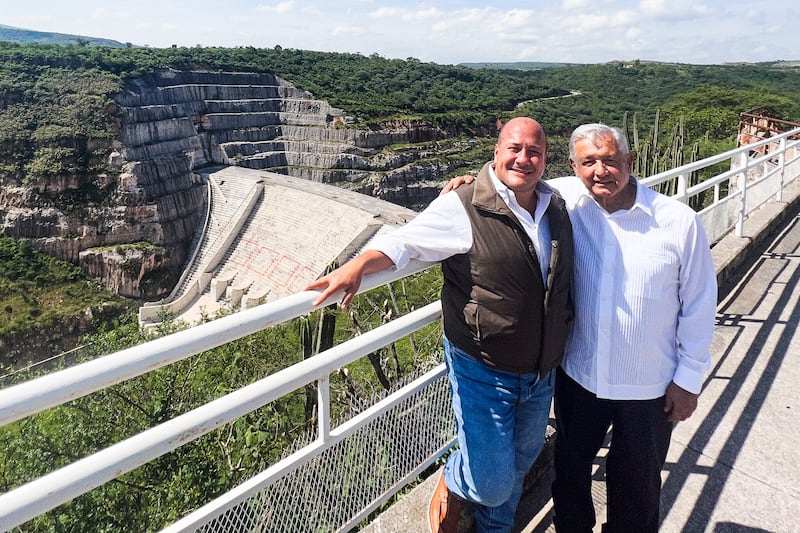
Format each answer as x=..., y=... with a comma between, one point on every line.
x=640, y=438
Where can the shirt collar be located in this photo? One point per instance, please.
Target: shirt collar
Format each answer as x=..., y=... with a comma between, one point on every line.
x=643, y=201
x=543, y=194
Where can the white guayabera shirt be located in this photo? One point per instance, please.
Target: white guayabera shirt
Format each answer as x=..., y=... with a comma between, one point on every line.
x=645, y=295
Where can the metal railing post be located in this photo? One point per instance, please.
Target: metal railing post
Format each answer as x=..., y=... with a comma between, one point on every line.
x=324, y=408
x=683, y=186
x=782, y=167
x=743, y=197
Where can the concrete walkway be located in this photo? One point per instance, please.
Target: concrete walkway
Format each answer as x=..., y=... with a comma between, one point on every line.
x=734, y=466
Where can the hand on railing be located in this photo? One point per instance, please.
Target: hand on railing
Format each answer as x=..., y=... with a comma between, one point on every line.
x=348, y=277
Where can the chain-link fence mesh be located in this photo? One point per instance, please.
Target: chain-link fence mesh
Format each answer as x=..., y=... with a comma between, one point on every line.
x=353, y=475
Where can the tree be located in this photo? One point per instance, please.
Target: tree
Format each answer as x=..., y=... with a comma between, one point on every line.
x=715, y=110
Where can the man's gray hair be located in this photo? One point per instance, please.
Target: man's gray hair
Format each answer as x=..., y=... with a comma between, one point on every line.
x=591, y=131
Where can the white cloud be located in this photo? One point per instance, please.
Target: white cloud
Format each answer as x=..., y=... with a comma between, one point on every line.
x=102, y=13
x=396, y=13
x=430, y=13
x=586, y=23
x=387, y=12
x=575, y=4
x=673, y=9
x=311, y=11
x=582, y=31
x=280, y=7
x=653, y=6
x=347, y=30
x=633, y=34
x=518, y=18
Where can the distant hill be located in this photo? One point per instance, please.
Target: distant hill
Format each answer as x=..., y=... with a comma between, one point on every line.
x=538, y=65
x=519, y=65
x=23, y=36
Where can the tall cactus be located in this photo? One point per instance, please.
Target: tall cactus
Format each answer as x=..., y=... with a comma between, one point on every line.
x=656, y=126
x=625, y=128
x=652, y=158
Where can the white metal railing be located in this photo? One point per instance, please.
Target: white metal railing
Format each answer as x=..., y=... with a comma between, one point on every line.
x=750, y=181
x=25, y=399
x=775, y=169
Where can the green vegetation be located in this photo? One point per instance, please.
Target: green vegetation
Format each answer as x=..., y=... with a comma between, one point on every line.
x=45, y=297
x=608, y=91
x=19, y=35
x=51, y=119
x=367, y=87
x=53, y=99
x=708, y=98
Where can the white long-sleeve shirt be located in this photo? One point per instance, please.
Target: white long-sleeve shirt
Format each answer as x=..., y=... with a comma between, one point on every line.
x=443, y=229
x=645, y=295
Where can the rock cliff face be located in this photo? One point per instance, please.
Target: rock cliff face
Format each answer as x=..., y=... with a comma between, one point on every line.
x=171, y=124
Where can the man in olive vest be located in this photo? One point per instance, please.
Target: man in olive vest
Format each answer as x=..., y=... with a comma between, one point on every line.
x=505, y=244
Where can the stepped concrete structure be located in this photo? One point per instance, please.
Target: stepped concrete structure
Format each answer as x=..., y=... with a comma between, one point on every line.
x=178, y=127
x=266, y=236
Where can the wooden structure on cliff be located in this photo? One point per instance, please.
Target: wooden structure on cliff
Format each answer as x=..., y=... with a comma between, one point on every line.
x=755, y=126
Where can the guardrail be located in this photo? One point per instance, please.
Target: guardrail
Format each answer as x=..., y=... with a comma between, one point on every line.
x=28, y=398
x=749, y=183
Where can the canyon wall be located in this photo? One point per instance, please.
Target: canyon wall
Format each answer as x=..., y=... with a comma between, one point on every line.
x=172, y=123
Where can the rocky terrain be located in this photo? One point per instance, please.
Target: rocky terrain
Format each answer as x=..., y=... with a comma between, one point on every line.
x=133, y=227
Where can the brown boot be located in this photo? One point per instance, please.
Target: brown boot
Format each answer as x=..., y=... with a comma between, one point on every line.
x=445, y=509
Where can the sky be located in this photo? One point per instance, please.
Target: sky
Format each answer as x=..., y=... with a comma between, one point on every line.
x=448, y=32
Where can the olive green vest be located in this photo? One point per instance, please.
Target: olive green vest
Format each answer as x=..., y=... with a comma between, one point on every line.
x=495, y=306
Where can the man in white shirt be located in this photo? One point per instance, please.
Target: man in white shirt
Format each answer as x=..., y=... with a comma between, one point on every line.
x=505, y=243
x=645, y=302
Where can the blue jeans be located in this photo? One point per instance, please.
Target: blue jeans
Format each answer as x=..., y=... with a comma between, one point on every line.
x=501, y=419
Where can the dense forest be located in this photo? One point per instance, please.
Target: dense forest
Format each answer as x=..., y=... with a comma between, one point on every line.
x=55, y=99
